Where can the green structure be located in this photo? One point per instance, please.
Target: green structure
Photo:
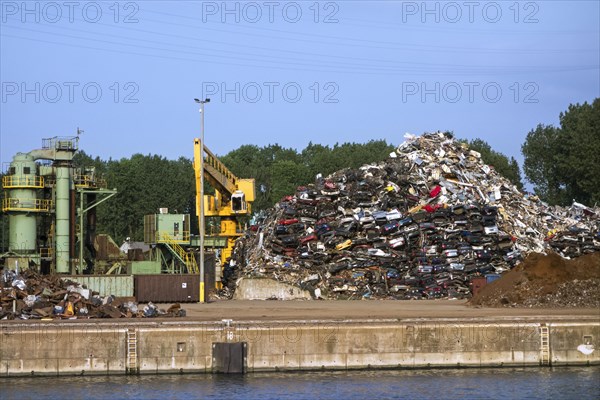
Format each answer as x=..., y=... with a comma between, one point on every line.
x=169, y=237
x=41, y=188
x=23, y=203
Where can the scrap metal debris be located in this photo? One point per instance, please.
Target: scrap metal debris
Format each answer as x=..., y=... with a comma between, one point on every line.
x=420, y=225
x=30, y=295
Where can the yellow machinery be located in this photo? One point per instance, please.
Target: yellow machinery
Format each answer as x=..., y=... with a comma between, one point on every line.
x=233, y=196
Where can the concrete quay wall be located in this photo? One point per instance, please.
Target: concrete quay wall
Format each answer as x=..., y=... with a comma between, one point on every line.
x=81, y=348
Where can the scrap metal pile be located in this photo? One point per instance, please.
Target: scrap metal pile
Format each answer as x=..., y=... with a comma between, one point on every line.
x=419, y=225
x=33, y=296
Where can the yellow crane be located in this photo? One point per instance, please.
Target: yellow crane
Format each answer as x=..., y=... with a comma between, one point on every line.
x=232, y=199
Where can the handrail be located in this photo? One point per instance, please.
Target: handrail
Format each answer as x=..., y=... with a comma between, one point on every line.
x=183, y=237
x=46, y=252
x=70, y=143
x=23, y=181
x=31, y=205
x=88, y=181
x=186, y=257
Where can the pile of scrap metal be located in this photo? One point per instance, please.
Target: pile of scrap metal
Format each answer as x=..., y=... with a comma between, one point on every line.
x=420, y=225
x=32, y=296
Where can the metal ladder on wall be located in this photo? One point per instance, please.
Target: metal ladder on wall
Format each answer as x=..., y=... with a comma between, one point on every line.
x=132, y=359
x=544, y=345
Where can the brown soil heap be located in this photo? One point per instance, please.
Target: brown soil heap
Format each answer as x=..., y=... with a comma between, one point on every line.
x=546, y=281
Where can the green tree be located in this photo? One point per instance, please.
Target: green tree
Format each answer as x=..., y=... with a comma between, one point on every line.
x=287, y=176
x=509, y=168
x=563, y=162
x=144, y=184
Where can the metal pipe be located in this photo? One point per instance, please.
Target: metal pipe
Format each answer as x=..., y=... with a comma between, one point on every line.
x=91, y=227
x=72, y=232
x=63, y=186
x=202, y=222
x=80, y=230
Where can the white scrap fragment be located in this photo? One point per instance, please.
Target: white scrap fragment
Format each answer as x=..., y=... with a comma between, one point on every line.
x=260, y=240
x=520, y=224
x=312, y=277
x=409, y=137
x=414, y=157
x=475, y=154
x=586, y=349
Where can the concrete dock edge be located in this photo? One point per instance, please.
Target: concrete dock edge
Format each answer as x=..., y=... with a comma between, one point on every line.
x=105, y=348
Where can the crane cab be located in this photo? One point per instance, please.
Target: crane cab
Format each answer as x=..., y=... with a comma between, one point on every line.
x=238, y=202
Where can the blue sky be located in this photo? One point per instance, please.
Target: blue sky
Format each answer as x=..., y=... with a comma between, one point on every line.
x=289, y=72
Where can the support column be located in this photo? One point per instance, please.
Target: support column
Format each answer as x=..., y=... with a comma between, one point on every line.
x=63, y=186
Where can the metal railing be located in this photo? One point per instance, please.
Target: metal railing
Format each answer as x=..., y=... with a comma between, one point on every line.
x=63, y=143
x=89, y=181
x=31, y=205
x=46, y=252
x=186, y=257
x=182, y=238
x=23, y=181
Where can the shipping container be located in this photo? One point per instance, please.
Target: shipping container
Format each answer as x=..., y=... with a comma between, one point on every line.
x=477, y=284
x=167, y=288
x=105, y=285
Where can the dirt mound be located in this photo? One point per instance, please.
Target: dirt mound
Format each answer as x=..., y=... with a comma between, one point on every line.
x=546, y=281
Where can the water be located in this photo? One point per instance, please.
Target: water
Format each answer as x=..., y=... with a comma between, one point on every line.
x=508, y=383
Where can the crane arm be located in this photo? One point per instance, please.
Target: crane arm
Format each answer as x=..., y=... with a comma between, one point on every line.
x=217, y=174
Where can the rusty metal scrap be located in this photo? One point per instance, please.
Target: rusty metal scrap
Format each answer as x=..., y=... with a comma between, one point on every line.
x=29, y=295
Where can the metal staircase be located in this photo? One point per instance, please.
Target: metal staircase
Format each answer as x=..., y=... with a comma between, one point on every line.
x=184, y=256
x=545, y=345
x=132, y=359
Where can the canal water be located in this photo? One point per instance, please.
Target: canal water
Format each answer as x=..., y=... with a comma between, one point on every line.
x=507, y=383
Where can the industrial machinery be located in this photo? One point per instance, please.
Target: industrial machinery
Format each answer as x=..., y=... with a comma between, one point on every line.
x=41, y=190
x=232, y=199
x=170, y=241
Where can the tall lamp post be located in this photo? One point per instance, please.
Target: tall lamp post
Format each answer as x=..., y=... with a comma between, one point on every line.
x=202, y=224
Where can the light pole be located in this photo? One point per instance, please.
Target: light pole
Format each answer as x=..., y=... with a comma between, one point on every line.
x=202, y=223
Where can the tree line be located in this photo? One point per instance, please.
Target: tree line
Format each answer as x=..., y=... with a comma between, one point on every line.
x=147, y=182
